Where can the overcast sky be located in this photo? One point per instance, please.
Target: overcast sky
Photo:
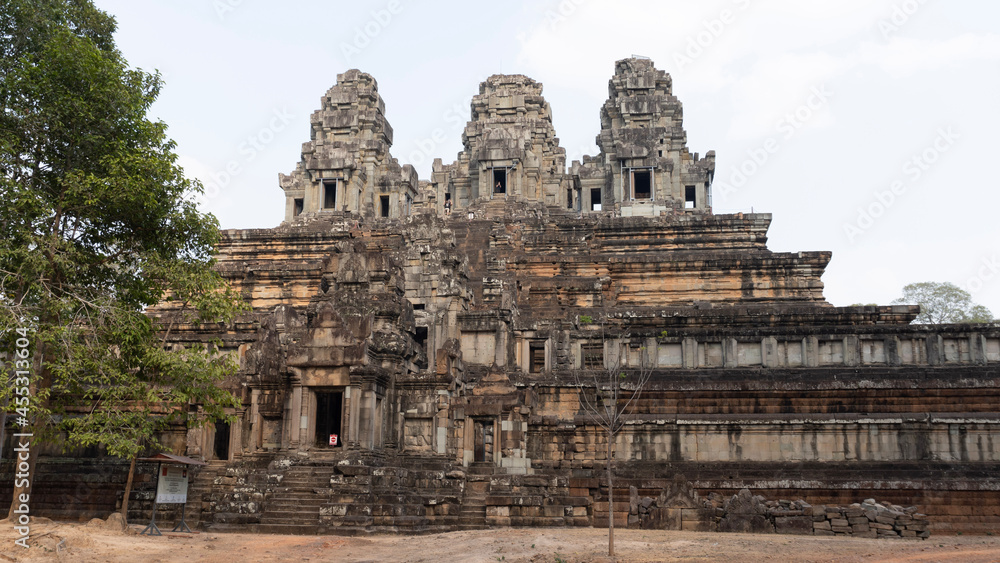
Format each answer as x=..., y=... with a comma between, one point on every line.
x=866, y=127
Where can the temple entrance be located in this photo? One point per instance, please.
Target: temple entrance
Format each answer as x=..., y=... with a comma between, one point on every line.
x=329, y=407
x=642, y=187
x=221, y=448
x=595, y=199
x=499, y=181
x=483, y=440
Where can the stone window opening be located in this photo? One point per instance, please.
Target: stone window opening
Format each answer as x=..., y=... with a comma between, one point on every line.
x=536, y=357
x=642, y=184
x=499, y=181
x=569, y=199
x=297, y=206
x=329, y=194
x=329, y=412
x=595, y=199
x=592, y=356
x=690, y=197
x=383, y=206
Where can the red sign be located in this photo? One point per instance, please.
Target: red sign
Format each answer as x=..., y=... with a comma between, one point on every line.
x=333, y=439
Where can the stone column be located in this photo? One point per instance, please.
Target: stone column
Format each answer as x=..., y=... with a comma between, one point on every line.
x=689, y=352
x=977, y=349
x=852, y=350
x=468, y=448
x=892, y=350
x=769, y=352
x=253, y=444
x=729, y=353
x=810, y=351
x=935, y=350
x=236, y=436
x=296, y=418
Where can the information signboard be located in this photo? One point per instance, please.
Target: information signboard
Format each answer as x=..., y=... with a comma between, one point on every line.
x=173, y=484
x=333, y=439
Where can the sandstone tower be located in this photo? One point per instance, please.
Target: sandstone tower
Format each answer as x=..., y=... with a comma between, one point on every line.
x=346, y=165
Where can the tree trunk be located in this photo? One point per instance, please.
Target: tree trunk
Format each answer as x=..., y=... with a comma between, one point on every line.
x=3, y=427
x=24, y=480
x=128, y=491
x=611, y=502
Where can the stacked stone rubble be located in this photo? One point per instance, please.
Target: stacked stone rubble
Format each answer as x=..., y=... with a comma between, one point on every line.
x=680, y=507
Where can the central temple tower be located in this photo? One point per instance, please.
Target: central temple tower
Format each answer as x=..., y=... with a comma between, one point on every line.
x=511, y=150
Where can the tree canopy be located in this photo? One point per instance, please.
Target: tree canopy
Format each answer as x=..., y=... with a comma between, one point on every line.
x=97, y=223
x=943, y=303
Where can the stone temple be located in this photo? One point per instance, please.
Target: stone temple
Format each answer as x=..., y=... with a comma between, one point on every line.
x=413, y=358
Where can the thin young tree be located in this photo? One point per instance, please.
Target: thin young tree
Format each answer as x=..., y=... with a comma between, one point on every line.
x=610, y=388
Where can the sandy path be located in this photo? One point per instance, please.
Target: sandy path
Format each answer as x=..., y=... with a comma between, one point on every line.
x=86, y=543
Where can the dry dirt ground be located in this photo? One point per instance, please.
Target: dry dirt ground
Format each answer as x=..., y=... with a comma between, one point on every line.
x=95, y=542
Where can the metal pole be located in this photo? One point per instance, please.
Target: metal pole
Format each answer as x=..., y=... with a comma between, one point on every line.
x=152, y=529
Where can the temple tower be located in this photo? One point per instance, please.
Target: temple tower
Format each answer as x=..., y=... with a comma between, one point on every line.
x=346, y=165
x=644, y=167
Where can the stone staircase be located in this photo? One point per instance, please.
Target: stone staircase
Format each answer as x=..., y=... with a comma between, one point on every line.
x=199, y=493
x=294, y=506
x=473, y=513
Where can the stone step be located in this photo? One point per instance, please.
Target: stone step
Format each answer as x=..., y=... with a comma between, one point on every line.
x=289, y=529
x=289, y=513
x=233, y=528
x=290, y=522
x=280, y=505
x=314, y=521
x=298, y=494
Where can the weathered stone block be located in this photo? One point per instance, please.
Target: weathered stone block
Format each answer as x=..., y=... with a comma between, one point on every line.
x=799, y=525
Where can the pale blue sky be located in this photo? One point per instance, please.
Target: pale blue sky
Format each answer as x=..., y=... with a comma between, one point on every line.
x=887, y=80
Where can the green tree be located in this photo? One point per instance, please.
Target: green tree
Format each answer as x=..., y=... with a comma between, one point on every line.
x=97, y=223
x=943, y=303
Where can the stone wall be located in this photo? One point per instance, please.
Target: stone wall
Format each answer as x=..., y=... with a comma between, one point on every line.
x=679, y=507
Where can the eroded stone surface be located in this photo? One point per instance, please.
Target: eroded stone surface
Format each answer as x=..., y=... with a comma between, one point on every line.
x=444, y=344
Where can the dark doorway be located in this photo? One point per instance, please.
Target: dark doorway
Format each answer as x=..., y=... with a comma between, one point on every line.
x=221, y=440
x=690, y=195
x=329, y=194
x=421, y=337
x=595, y=199
x=298, y=205
x=641, y=184
x=500, y=181
x=328, y=415
x=569, y=199
x=484, y=440
x=384, y=205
